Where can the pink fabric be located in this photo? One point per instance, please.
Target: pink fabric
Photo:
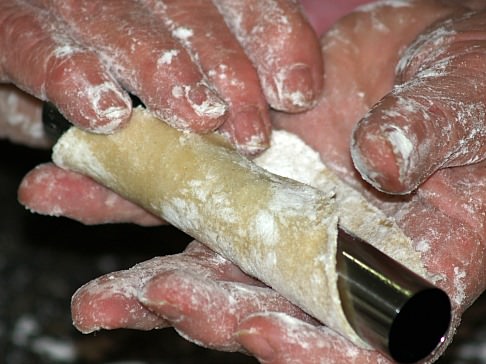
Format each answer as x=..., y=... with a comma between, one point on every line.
x=323, y=13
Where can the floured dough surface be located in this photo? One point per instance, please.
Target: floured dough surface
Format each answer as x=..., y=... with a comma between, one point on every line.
x=290, y=157
x=274, y=228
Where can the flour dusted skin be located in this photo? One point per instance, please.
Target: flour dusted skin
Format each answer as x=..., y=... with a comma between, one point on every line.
x=431, y=119
x=276, y=229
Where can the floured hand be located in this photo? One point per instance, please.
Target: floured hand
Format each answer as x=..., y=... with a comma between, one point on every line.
x=442, y=218
x=200, y=65
x=198, y=292
x=46, y=189
x=434, y=116
x=211, y=302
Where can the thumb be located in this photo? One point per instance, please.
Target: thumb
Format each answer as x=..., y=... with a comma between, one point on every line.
x=434, y=117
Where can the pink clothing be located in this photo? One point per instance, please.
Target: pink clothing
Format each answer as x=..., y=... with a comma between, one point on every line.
x=323, y=13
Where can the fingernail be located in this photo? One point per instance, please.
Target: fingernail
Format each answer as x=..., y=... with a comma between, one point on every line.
x=205, y=102
x=375, y=160
x=150, y=297
x=392, y=146
x=296, y=88
x=111, y=105
x=256, y=344
x=250, y=131
x=167, y=310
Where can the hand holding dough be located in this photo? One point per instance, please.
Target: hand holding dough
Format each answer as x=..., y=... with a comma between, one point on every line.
x=275, y=229
x=197, y=64
x=444, y=217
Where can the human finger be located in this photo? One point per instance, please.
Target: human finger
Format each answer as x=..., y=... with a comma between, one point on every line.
x=147, y=60
x=201, y=294
x=282, y=46
x=209, y=311
x=277, y=338
x=355, y=78
x=39, y=56
x=434, y=116
x=206, y=297
x=201, y=29
x=52, y=191
x=442, y=218
x=20, y=118
x=112, y=301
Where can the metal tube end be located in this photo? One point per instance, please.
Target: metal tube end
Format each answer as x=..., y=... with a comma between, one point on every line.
x=392, y=308
x=54, y=123
x=420, y=326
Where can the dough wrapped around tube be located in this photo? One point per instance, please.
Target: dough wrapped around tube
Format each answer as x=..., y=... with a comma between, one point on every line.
x=278, y=230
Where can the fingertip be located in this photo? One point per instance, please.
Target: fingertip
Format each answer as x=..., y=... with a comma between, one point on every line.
x=102, y=108
x=209, y=107
x=297, y=88
x=33, y=182
x=255, y=343
x=81, y=315
x=155, y=289
x=249, y=129
x=86, y=94
x=399, y=144
x=171, y=292
x=194, y=107
x=100, y=307
x=159, y=297
x=112, y=108
x=266, y=336
x=374, y=158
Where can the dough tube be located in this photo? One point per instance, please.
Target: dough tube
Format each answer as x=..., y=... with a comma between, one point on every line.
x=276, y=229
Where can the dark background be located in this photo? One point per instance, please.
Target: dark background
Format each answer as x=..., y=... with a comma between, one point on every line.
x=43, y=260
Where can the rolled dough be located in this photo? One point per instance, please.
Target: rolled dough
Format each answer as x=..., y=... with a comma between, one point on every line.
x=276, y=229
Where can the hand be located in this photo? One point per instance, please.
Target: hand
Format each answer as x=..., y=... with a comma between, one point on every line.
x=434, y=116
x=443, y=217
x=179, y=58
x=202, y=295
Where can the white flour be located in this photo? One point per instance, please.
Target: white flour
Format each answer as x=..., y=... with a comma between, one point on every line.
x=290, y=157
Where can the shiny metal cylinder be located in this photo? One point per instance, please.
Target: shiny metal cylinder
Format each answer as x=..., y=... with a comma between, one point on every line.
x=390, y=307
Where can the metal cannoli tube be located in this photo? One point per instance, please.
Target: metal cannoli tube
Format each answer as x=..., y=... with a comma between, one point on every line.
x=390, y=307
